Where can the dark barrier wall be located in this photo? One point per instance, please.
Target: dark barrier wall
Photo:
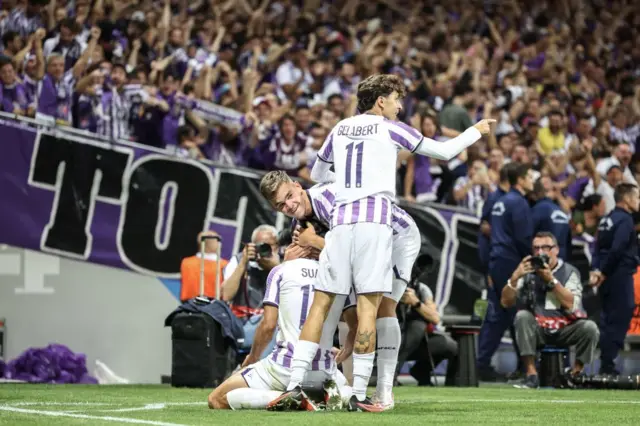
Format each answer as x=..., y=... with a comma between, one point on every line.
x=131, y=207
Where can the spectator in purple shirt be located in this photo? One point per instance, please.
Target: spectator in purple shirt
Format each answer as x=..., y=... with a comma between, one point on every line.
x=419, y=167
x=55, y=91
x=91, y=109
x=147, y=117
x=283, y=148
x=171, y=121
x=14, y=97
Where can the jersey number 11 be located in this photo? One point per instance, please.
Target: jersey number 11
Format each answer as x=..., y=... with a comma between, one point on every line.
x=359, y=148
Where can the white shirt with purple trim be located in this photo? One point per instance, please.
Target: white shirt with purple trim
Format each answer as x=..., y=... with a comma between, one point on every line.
x=322, y=197
x=364, y=151
x=290, y=288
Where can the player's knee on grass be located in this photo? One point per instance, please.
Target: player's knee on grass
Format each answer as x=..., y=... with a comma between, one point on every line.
x=218, y=400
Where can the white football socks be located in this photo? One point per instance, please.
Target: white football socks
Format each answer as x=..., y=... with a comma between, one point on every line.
x=255, y=399
x=388, y=346
x=303, y=354
x=362, y=367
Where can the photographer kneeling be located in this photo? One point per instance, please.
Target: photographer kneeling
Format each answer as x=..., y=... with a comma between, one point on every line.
x=549, y=296
x=418, y=316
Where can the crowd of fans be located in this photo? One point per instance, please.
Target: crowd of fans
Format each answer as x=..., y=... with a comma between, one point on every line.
x=561, y=78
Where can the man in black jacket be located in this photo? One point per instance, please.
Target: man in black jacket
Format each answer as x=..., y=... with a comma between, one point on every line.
x=615, y=261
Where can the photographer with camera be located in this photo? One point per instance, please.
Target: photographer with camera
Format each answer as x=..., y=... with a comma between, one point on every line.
x=548, y=292
x=418, y=316
x=245, y=278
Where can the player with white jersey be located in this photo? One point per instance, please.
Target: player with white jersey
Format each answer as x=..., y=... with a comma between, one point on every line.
x=358, y=249
x=313, y=207
x=288, y=297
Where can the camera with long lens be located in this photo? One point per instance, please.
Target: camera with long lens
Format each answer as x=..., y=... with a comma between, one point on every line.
x=529, y=290
x=538, y=262
x=606, y=381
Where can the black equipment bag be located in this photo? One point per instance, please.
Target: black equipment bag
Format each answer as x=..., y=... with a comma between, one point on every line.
x=201, y=356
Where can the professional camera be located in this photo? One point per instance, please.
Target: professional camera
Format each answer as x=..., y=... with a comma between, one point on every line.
x=262, y=250
x=538, y=262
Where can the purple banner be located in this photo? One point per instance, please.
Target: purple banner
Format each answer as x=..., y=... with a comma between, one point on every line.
x=109, y=204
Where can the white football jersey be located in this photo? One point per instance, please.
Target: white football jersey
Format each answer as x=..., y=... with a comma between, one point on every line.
x=364, y=151
x=290, y=288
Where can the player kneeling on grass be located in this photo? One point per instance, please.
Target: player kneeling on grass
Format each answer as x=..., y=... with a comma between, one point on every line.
x=287, y=300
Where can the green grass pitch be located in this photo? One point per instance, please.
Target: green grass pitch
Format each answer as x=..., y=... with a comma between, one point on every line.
x=162, y=405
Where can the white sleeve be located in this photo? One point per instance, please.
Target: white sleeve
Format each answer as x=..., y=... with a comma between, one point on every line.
x=272, y=293
x=574, y=285
x=321, y=171
x=231, y=266
x=284, y=74
x=403, y=135
x=325, y=153
x=589, y=189
x=449, y=149
x=604, y=165
x=48, y=46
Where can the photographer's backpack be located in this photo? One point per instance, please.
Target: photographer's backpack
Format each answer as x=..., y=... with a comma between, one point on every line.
x=201, y=356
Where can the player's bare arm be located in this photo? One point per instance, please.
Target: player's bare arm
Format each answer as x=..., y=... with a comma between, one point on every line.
x=263, y=335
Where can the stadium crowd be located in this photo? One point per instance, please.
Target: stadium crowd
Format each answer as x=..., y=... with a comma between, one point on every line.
x=561, y=78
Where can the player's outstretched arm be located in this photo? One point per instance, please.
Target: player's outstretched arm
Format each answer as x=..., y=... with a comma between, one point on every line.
x=451, y=148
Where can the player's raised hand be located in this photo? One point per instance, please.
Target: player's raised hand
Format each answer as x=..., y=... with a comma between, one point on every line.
x=484, y=126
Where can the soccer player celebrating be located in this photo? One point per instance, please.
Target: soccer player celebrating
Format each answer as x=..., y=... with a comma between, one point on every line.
x=287, y=301
x=358, y=250
x=313, y=207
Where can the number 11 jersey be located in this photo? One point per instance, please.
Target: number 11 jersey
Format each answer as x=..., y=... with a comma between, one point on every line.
x=364, y=150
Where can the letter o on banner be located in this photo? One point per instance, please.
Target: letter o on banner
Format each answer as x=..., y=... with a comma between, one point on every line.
x=167, y=206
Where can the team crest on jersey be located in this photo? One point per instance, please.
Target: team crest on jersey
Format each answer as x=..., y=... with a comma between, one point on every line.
x=559, y=217
x=605, y=224
x=498, y=209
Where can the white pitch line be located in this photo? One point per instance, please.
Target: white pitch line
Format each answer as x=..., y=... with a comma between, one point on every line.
x=125, y=410
x=517, y=401
x=85, y=416
x=94, y=404
x=57, y=403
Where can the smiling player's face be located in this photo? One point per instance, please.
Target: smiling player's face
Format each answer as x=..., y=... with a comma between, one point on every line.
x=391, y=106
x=289, y=200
